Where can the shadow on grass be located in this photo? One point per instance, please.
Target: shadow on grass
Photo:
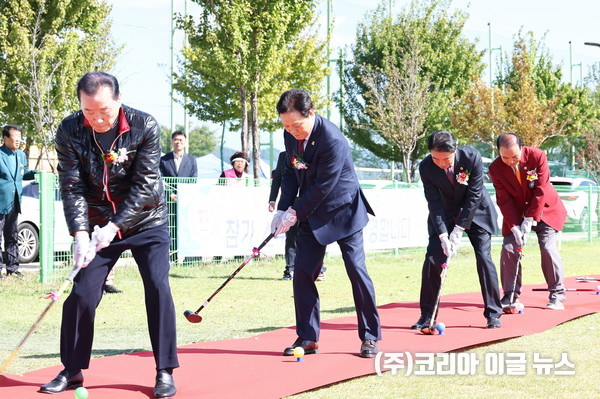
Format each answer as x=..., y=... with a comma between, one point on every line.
x=264, y=329
x=244, y=278
x=339, y=310
x=175, y=275
x=95, y=353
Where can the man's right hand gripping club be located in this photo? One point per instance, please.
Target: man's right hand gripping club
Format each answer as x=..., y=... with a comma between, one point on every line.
x=85, y=249
x=446, y=245
x=283, y=221
x=83, y=253
x=519, y=236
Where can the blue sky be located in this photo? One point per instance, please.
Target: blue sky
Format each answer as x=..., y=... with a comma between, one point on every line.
x=143, y=27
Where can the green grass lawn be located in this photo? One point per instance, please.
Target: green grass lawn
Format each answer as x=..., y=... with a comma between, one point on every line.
x=257, y=301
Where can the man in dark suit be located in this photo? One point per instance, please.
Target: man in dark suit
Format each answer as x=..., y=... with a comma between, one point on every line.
x=458, y=202
x=177, y=163
x=330, y=208
x=528, y=201
x=290, y=235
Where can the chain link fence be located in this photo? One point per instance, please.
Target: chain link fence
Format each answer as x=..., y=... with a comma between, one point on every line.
x=55, y=243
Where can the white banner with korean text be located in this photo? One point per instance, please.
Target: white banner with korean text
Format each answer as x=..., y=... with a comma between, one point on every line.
x=232, y=220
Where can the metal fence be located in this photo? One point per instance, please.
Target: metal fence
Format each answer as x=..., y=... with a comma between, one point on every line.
x=55, y=246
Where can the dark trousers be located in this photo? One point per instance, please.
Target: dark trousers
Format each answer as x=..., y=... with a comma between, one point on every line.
x=10, y=235
x=486, y=270
x=150, y=250
x=309, y=259
x=290, y=248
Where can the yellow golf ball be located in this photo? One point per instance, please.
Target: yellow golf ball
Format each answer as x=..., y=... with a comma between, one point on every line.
x=298, y=352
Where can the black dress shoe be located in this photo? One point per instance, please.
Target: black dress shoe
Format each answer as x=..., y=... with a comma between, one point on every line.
x=309, y=347
x=369, y=348
x=493, y=322
x=165, y=385
x=422, y=322
x=64, y=380
x=111, y=289
x=16, y=273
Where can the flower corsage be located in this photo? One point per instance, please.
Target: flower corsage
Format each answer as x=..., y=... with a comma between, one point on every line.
x=463, y=177
x=298, y=163
x=116, y=157
x=532, y=177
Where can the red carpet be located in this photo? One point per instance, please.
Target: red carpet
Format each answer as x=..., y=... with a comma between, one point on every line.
x=254, y=368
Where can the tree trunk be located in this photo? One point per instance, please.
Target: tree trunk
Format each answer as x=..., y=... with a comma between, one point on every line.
x=406, y=166
x=255, y=134
x=244, y=134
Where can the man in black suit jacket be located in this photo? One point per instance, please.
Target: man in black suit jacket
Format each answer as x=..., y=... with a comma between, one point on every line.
x=330, y=207
x=458, y=202
x=177, y=163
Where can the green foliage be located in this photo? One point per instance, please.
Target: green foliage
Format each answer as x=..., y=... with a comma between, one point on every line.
x=237, y=48
x=531, y=100
x=45, y=47
x=449, y=63
x=201, y=140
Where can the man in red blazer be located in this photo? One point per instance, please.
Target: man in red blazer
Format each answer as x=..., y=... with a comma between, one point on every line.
x=528, y=201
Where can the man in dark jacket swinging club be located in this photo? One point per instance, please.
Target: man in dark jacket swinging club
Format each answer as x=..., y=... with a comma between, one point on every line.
x=110, y=183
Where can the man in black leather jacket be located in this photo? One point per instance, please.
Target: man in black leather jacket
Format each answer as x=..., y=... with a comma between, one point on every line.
x=110, y=183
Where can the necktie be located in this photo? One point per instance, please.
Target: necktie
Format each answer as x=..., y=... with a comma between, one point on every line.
x=450, y=175
x=301, y=147
x=517, y=174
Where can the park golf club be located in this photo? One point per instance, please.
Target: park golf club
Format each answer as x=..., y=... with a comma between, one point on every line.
x=54, y=297
x=430, y=328
x=512, y=306
x=194, y=317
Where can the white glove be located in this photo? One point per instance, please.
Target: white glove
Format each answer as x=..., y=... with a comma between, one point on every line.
x=518, y=233
x=81, y=248
x=103, y=236
x=526, y=226
x=287, y=220
x=446, y=245
x=455, y=237
x=276, y=220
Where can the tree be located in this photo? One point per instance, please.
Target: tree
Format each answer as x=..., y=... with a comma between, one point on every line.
x=242, y=55
x=531, y=101
x=396, y=102
x=45, y=47
x=201, y=140
x=480, y=115
x=449, y=62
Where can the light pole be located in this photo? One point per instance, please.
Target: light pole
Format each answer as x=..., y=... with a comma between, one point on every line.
x=592, y=44
x=574, y=65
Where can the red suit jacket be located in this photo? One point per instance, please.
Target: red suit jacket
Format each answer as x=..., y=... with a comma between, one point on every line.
x=535, y=197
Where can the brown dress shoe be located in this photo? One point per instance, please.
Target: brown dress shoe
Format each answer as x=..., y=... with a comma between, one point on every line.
x=369, y=348
x=309, y=347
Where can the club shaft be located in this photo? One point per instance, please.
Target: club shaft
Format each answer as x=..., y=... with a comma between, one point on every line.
x=566, y=289
x=255, y=253
x=512, y=293
x=35, y=325
x=439, y=294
